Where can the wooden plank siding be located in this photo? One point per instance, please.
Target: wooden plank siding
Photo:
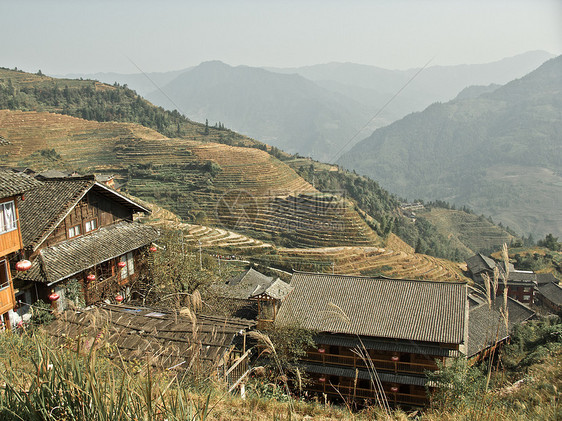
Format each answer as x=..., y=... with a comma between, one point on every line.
x=11, y=242
x=92, y=207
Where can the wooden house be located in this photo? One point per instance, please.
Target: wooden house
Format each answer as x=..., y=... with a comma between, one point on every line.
x=255, y=295
x=75, y=228
x=520, y=283
x=487, y=325
x=401, y=326
x=13, y=185
x=209, y=346
x=550, y=296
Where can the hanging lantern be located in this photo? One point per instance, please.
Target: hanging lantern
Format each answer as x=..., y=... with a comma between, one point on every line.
x=321, y=350
x=23, y=265
x=395, y=358
x=54, y=296
x=322, y=379
x=122, y=264
x=119, y=298
x=91, y=277
x=152, y=249
x=394, y=389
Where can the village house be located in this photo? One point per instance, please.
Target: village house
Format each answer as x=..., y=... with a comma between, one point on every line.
x=204, y=345
x=78, y=231
x=521, y=284
x=13, y=185
x=255, y=295
x=403, y=327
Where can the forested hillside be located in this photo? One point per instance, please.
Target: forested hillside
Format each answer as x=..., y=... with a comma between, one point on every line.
x=498, y=153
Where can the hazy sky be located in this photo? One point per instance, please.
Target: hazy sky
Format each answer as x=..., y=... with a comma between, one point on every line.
x=78, y=36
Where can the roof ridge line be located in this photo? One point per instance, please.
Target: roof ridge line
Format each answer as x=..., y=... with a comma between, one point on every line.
x=382, y=277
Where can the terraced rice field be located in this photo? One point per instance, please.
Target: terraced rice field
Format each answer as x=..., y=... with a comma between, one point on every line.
x=248, y=190
x=371, y=261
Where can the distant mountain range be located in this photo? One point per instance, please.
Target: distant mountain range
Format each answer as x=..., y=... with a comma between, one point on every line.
x=313, y=110
x=497, y=150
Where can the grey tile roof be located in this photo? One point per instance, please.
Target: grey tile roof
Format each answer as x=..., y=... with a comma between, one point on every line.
x=487, y=326
x=479, y=263
x=278, y=290
x=521, y=277
x=546, y=278
x=46, y=207
x=15, y=183
x=377, y=307
x=69, y=257
x=247, y=284
x=552, y=291
x=165, y=339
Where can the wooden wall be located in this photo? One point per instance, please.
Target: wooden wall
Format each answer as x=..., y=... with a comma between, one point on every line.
x=93, y=205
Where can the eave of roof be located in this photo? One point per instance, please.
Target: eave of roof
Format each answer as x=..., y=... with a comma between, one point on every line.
x=14, y=183
x=73, y=256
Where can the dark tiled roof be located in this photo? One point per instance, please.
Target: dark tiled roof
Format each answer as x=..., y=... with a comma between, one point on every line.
x=45, y=208
x=479, y=263
x=546, y=278
x=278, y=290
x=377, y=307
x=77, y=254
x=521, y=277
x=247, y=284
x=14, y=183
x=165, y=339
x=552, y=291
x=487, y=326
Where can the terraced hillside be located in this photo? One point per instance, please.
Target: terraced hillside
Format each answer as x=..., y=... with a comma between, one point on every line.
x=467, y=230
x=366, y=261
x=244, y=189
x=396, y=259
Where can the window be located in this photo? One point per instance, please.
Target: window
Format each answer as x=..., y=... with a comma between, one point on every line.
x=8, y=220
x=4, y=278
x=527, y=290
x=91, y=225
x=74, y=231
x=129, y=269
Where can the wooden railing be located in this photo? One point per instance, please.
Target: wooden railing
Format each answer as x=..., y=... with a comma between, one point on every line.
x=354, y=361
x=100, y=290
x=351, y=392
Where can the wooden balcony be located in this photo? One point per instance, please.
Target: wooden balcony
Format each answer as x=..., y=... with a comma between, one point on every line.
x=101, y=290
x=354, y=361
x=7, y=300
x=360, y=394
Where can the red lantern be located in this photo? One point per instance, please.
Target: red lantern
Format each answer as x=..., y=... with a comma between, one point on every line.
x=91, y=277
x=122, y=264
x=321, y=350
x=395, y=358
x=322, y=379
x=54, y=296
x=153, y=248
x=119, y=298
x=23, y=265
x=394, y=389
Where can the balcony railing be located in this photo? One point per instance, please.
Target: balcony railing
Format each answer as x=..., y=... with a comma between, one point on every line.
x=350, y=392
x=354, y=361
x=100, y=290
